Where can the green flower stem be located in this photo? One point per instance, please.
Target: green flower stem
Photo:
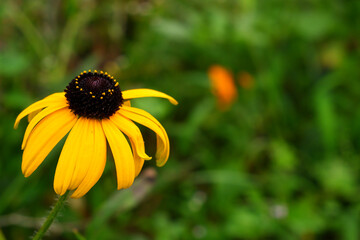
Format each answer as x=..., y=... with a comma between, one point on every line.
x=52, y=215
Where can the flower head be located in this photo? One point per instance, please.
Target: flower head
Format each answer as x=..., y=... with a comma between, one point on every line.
x=93, y=110
x=223, y=86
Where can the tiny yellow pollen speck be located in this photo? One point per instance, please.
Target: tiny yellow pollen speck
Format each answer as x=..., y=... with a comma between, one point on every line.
x=93, y=96
x=112, y=77
x=90, y=92
x=78, y=76
x=81, y=89
x=95, y=71
x=116, y=84
x=101, y=72
x=77, y=86
x=106, y=73
x=101, y=97
x=109, y=91
x=103, y=93
x=89, y=70
x=84, y=71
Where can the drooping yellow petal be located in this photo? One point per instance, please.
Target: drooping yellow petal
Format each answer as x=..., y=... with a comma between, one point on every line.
x=143, y=92
x=96, y=163
x=146, y=119
x=132, y=131
x=121, y=151
x=43, y=138
x=138, y=161
x=52, y=108
x=53, y=98
x=78, y=148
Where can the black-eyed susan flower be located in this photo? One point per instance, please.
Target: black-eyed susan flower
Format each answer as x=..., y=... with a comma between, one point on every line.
x=223, y=86
x=93, y=110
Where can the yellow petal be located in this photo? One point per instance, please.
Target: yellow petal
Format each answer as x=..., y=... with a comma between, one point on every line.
x=53, y=98
x=121, y=151
x=84, y=149
x=52, y=108
x=143, y=92
x=46, y=134
x=132, y=131
x=72, y=167
x=96, y=162
x=146, y=119
x=138, y=161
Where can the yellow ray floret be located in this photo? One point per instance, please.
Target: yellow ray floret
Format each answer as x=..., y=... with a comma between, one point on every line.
x=44, y=137
x=38, y=117
x=80, y=151
x=143, y=92
x=96, y=162
x=124, y=162
x=138, y=161
x=144, y=118
x=133, y=133
x=53, y=98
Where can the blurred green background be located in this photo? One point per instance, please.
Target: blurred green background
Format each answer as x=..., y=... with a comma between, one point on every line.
x=281, y=163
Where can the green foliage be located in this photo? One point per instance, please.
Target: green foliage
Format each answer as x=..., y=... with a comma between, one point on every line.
x=281, y=163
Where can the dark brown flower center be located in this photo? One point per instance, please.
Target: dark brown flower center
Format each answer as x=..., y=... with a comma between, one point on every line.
x=94, y=95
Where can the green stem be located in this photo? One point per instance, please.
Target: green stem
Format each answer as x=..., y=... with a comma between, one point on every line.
x=52, y=215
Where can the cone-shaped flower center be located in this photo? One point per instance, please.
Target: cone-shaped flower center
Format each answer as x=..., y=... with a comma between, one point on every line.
x=94, y=95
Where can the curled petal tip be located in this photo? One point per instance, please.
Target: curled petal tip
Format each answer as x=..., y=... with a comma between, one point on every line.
x=160, y=164
x=173, y=101
x=145, y=157
x=160, y=161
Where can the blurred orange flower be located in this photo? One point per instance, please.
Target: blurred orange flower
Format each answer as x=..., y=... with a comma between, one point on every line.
x=246, y=80
x=223, y=86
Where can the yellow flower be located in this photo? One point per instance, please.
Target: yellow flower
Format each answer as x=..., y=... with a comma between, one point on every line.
x=93, y=109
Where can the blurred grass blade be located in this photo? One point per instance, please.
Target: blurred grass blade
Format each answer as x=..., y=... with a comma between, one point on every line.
x=326, y=118
x=78, y=236
x=28, y=29
x=2, y=237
